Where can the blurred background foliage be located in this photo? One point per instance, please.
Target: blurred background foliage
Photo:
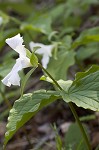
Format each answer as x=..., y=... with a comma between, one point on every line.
x=71, y=25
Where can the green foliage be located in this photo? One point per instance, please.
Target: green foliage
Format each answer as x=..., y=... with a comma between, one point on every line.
x=87, y=51
x=58, y=67
x=58, y=139
x=84, y=90
x=26, y=107
x=6, y=34
x=6, y=67
x=34, y=60
x=88, y=117
x=23, y=8
x=74, y=139
x=86, y=37
x=39, y=23
x=88, y=42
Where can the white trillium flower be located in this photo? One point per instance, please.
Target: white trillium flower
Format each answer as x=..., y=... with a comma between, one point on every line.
x=44, y=50
x=23, y=61
x=1, y=20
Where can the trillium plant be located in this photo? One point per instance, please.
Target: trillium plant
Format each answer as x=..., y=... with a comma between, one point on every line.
x=83, y=91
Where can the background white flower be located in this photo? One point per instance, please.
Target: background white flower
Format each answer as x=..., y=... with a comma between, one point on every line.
x=44, y=50
x=22, y=62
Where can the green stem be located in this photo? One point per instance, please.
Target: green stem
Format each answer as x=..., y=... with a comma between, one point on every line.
x=72, y=109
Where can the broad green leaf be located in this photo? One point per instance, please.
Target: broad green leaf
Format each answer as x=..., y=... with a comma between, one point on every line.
x=57, y=11
x=67, y=41
x=87, y=51
x=22, y=8
x=91, y=70
x=24, y=80
x=74, y=139
x=58, y=67
x=84, y=91
x=85, y=40
x=40, y=23
x=26, y=107
x=86, y=37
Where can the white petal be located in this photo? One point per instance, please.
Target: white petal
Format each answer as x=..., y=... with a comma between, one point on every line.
x=15, y=41
x=16, y=44
x=24, y=62
x=13, y=77
x=45, y=50
x=32, y=45
x=45, y=61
